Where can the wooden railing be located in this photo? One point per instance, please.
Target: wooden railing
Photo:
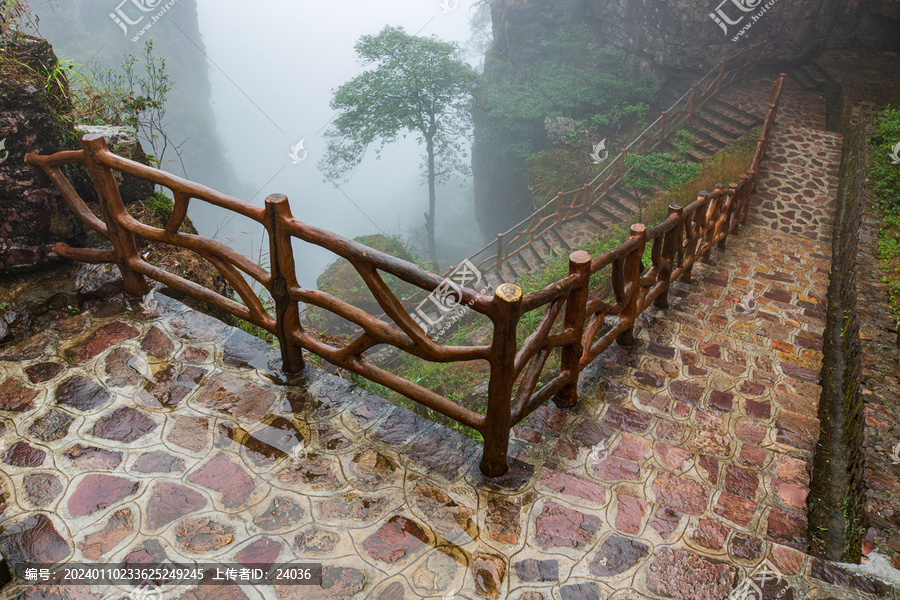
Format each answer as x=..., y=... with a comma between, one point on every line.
x=574, y=204
x=515, y=370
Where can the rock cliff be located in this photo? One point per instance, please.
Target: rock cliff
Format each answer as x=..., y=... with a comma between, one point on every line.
x=676, y=42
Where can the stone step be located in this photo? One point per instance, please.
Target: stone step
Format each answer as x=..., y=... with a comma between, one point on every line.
x=545, y=249
x=714, y=142
x=714, y=110
x=626, y=198
x=623, y=202
x=702, y=147
x=600, y=221
x=560, y=240
x=809, y=76
x=494, y=278
x=531, y=257
x=747, y=120
x=604, y=212
x=721, y=140
x=710, y=123
x=671, y=149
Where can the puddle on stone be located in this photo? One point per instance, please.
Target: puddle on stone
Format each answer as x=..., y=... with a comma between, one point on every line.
x=372, y=467
x=139, y=365
x=309, y=469
x=165, y=389
x=401, y=537
x=277, y=437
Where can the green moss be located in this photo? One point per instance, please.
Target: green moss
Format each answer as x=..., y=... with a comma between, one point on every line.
x=159, y=205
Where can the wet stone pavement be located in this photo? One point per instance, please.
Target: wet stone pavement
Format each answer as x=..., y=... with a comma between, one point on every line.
x=136, y=433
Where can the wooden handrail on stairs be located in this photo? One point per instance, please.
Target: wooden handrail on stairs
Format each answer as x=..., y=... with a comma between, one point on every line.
x=588, y=326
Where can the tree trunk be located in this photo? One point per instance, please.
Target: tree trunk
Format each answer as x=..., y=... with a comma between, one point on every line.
x=429, y=216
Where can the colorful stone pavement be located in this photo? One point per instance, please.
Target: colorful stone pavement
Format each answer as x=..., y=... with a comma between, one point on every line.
x=136, y=433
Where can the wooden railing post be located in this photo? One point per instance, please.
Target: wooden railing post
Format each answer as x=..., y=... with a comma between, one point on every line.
x=713, y=210
x=662, y=126
x=690, y=106
x=728, y=217
x=281, y=260
x=669, y=252
x=576, y=306
x=499, y=252
x=721, y=75
x=692, y=233
x=632, y=279
x=113, y=211
x=498, y=418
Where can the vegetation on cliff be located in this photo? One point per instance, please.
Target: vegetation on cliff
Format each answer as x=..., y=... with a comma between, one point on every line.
x=574, y=77
x=885, y=176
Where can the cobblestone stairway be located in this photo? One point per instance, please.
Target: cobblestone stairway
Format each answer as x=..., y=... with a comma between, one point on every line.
x=717, y=125
x=137, y=433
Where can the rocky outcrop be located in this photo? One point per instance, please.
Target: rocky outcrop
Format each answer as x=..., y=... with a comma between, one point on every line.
x=36, y=116
x=122, y=141
x=683, y=35
x=33, y=216
x=188, y=121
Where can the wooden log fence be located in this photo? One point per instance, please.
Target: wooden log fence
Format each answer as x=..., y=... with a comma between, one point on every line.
x=589, y=325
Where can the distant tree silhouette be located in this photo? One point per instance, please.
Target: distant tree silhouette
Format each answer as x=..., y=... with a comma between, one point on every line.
x=420, y=85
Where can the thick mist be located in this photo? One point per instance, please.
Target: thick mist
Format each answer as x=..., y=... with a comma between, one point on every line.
x=272, y=67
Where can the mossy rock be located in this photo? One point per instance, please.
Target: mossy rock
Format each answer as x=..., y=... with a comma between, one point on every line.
x=341, y=280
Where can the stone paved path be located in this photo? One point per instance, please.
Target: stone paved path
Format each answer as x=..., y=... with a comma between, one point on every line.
x=683, y=473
